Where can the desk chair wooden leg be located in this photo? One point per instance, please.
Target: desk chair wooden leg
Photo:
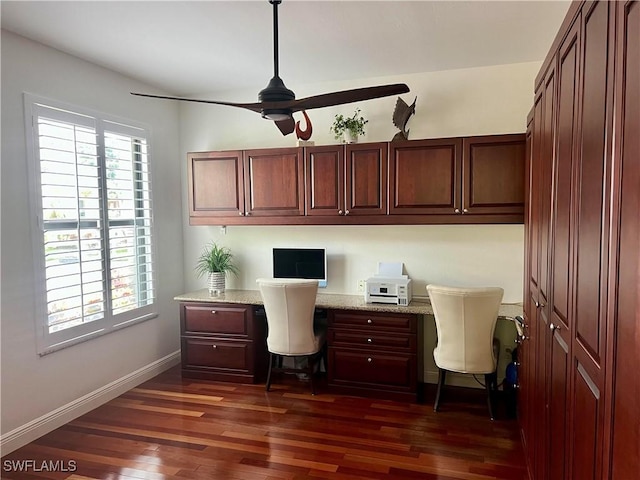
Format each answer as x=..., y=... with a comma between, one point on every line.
x=441, y=376
x=489, y=380
x=271, y=360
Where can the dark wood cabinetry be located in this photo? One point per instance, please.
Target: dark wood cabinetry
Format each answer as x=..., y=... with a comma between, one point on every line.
x=373, y=353
x=576, y=252
x=216, y=184
x=345, y=180
x=425, y=177
x=454, y=180
x=223, y=342
x=274, y=182
x=366, y=179
x=493, y=175
x=459, y=176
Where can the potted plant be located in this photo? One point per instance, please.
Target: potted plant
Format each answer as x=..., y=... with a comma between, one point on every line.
x=347, y=129
x=215, y=261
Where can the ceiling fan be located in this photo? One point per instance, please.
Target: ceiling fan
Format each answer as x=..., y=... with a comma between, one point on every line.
x=276, y=102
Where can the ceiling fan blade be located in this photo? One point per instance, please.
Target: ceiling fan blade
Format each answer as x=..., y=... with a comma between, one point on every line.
x=346, y=96
x=286, y=126
x=254, y=107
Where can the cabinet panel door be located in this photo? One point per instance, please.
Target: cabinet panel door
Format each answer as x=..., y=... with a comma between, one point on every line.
x=366, y=188
x=425, y=177
x=372, y=368
x=216, y=319
x=274, y=182
x=208, y=353
x=493, y=174
x=324, y=167
x=625, y=457
x=215, y=184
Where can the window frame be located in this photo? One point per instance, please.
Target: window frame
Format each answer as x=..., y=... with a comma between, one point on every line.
x=49, y=342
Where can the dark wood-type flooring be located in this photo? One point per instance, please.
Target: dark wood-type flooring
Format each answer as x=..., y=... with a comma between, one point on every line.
x=174, y=428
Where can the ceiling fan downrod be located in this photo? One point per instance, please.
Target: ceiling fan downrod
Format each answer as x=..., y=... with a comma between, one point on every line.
x=276, y=91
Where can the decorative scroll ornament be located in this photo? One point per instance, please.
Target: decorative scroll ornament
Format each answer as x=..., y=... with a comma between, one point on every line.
x=304, y=134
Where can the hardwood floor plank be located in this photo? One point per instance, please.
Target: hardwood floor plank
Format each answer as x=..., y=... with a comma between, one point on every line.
x=172, y=428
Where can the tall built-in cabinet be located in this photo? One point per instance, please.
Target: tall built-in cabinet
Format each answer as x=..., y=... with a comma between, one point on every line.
x=579, y=405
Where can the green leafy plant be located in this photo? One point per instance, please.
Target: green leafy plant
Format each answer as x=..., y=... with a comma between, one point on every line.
x=215, y=259
x=354, y=124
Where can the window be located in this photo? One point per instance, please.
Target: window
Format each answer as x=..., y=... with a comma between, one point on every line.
x=93, y=223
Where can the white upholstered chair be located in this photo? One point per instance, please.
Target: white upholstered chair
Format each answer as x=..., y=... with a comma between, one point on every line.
x=290, y=307
x=466, y=320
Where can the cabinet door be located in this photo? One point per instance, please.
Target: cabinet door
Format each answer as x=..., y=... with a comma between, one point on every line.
x=625, y=431
x=493, y=174
x=324, y=167
x=591, y=241
x=425, y=177
x=274, y=182
x=216, y=186
x=366, y=180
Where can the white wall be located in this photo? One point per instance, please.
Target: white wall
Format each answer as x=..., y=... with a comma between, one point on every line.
x=33, y=386
x=478, y=101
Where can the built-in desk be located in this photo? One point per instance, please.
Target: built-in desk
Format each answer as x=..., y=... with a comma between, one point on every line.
x=374, y=349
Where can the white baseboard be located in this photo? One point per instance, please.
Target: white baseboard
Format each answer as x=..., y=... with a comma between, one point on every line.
x=33, y=430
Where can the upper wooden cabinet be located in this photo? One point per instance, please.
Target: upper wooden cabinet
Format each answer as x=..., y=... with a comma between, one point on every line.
x=493, y=174
x=459, y=176
x=451, y=180
x=425, y=177
x=324, y=168
x=215, y=182
x=274, y=182
x=366, y=179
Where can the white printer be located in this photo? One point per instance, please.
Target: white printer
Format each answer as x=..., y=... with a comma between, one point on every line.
x=389, y=285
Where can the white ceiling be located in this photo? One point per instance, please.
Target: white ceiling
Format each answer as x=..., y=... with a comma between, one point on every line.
x=194, y=47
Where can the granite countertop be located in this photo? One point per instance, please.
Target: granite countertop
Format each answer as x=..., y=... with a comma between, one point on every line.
x=419, y=305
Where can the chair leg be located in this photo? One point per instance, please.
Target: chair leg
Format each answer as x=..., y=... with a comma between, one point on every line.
x=441, y=377
x=271, y=358
x=489, y=380
x=311, y=363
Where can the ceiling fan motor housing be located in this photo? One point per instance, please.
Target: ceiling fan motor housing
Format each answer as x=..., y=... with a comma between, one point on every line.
x=276, y=91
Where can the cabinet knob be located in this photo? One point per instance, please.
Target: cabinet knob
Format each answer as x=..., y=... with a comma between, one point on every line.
x=214, y=312
x=536, y=303
x=346, y=212
x=214, y=346
x=457, y=210
x=369, y=321
x=241, y=214
x=248, y=213
x=369, y=340
x=553, y=327
x=465, y=210
x=340, y=212
x=369, y=359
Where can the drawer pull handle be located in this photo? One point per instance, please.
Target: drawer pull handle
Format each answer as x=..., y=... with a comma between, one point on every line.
x=214, y=312
x=214, y=346
x=369, y=359
x=369, y=321
x=369, y=340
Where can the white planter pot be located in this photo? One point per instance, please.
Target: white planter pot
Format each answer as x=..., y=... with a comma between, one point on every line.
x=216, y=283
x=349, y=137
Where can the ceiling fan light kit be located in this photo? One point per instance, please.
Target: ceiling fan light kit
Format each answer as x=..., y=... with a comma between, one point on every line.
x=277, y=103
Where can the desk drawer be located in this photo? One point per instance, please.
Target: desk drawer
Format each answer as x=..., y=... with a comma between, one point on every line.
x=215, y=319
x=372, y=340
x=382, y=370
x=209, y=353
x=372, y=321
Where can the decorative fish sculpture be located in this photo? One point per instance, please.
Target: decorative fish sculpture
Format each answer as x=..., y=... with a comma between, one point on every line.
x=401, y=115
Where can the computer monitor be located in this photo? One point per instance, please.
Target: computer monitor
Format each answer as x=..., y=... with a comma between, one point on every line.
x=308, y=263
